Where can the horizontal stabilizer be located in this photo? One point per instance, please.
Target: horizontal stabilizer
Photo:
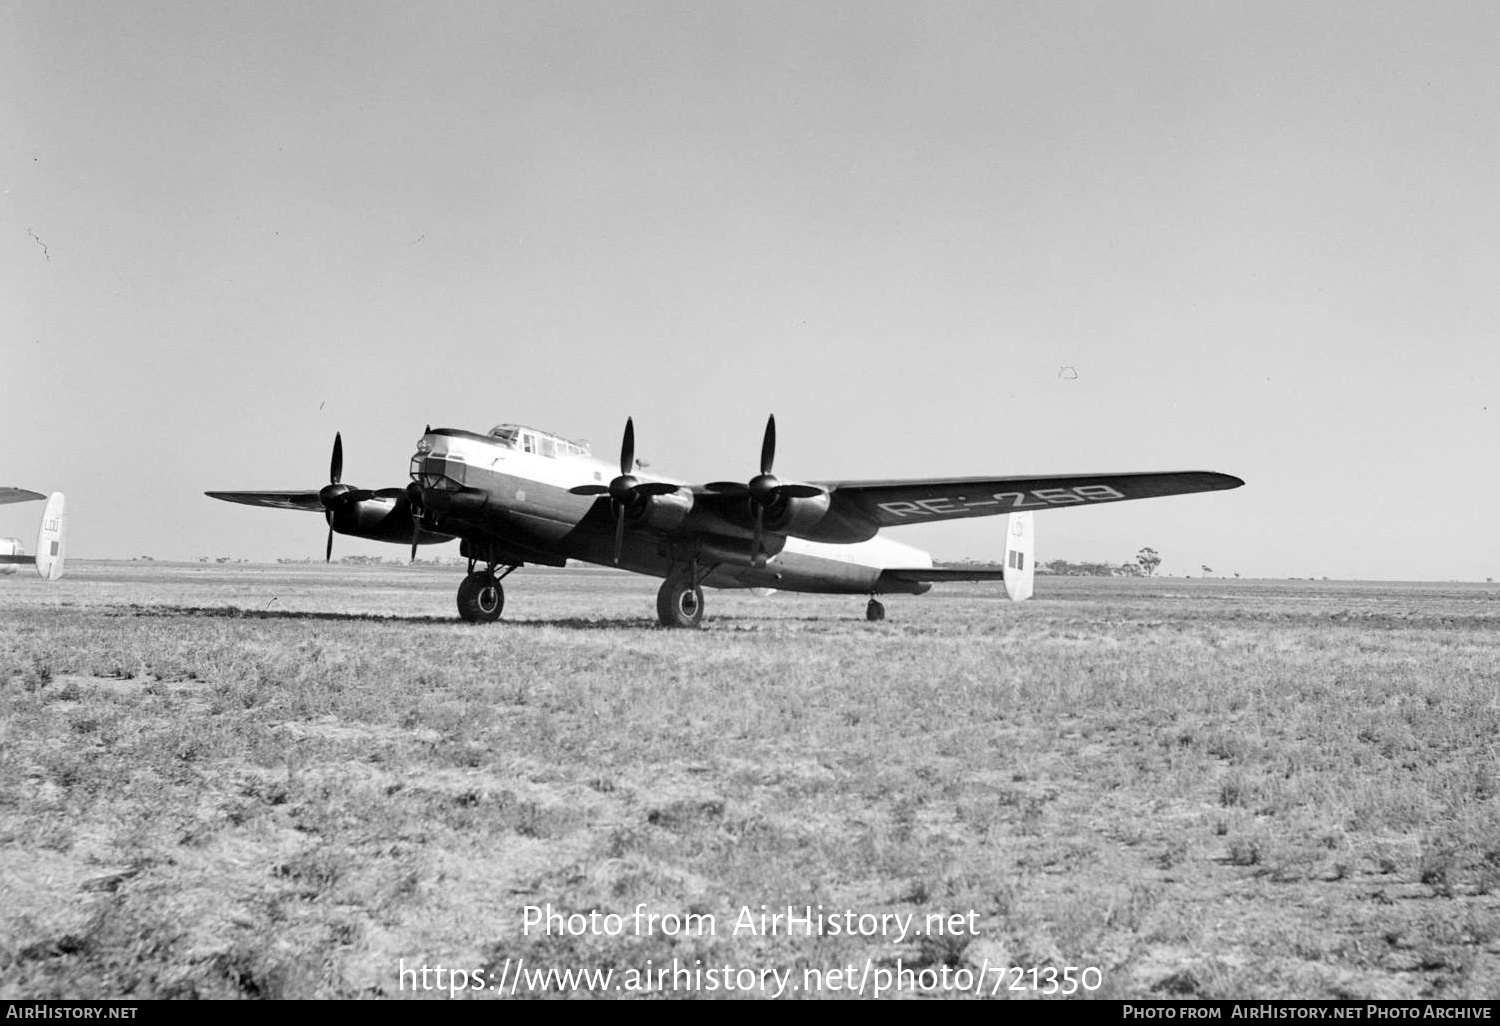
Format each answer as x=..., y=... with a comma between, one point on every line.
x=936, y=575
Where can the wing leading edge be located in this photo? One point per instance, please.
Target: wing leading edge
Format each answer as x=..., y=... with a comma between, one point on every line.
x=893, y=503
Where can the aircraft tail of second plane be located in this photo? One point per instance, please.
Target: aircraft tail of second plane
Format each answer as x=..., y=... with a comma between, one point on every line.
x=50, y=541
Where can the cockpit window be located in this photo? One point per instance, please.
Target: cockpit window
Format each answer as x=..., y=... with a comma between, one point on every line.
x=518, y=436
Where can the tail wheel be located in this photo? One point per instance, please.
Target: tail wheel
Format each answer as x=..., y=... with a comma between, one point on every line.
x=481, y=599
x=679, y=603
x=874, y=611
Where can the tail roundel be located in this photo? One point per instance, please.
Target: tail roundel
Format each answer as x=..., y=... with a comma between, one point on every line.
x=1020, y=556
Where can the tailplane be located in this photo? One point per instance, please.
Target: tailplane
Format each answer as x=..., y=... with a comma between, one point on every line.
x=1019, y=573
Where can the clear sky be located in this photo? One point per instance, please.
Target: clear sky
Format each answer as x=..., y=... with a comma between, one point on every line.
x=1265, y=239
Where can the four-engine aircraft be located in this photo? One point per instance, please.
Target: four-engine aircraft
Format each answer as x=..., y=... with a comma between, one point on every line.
x=517, y=495
x=49, y=539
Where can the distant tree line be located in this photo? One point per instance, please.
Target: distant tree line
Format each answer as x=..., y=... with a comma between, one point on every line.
x=1067, y=568
x=381, y=561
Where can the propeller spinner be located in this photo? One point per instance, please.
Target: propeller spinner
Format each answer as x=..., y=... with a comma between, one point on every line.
x=765, y=489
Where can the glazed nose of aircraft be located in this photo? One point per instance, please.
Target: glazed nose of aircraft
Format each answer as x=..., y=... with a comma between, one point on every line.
x=433, y=468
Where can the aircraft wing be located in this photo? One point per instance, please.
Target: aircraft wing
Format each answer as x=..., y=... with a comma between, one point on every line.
x=9, y=495
x=277, y=500
x=893, y=503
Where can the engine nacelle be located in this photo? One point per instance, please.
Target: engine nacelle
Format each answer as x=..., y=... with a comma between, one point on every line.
x=383, y=519
x=661, y=512
x=797, y=517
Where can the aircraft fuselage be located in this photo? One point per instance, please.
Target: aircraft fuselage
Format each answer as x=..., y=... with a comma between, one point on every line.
x=474, y=486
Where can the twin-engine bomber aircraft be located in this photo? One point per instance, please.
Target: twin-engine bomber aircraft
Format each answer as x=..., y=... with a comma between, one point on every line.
x=518, y=495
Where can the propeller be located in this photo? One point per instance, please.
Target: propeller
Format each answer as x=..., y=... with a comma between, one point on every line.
x=414, y=496
x=765, y=489
x=335, y=495
x=413, y=493
x=627, y=489
x=332, y=494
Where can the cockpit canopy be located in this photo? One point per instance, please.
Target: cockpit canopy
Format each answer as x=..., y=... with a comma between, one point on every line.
x=542, y=443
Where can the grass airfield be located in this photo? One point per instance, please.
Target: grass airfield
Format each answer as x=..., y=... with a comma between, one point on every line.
x=294, y=780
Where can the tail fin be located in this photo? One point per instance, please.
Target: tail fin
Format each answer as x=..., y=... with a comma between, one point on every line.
x=49, y=540
x=1020, y=556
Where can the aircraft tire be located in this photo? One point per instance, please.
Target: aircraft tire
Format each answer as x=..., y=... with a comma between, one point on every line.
x=481, y=599
x=679, y=604
x=875, y=611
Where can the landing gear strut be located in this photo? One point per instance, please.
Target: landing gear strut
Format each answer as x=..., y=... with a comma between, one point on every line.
x=874, y=611
x=481, y=599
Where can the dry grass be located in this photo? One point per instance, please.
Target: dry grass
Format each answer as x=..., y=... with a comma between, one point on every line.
x=281, y=782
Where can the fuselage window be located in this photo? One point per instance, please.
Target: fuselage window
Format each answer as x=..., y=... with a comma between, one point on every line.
x=549, y=448
x=528, y=443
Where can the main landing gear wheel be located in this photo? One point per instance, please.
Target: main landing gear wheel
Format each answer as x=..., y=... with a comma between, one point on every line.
x=679, y=603
x=874, y=611
x=480, y=598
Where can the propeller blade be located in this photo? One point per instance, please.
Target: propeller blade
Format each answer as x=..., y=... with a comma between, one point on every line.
x=336, y=465
x=627, y=448
x=727, y=488
x=413, y=494
x=768, y=446
x=619, y=533
x=589, y=489
x=757, y=554
x=800, y=491
x=328, y=554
